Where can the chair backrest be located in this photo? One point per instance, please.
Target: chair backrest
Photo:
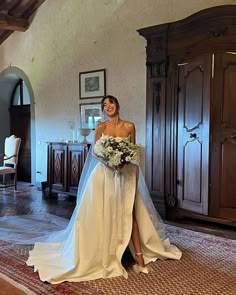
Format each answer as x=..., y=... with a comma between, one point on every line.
x=12, y=147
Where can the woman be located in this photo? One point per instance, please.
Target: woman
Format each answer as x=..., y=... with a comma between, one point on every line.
x=116, y=127
x=113, y=210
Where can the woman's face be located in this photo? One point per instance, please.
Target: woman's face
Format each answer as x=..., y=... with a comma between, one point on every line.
x=110, y=107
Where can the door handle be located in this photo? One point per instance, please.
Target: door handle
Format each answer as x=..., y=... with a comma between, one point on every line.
x=193, y=135
x=233, y=136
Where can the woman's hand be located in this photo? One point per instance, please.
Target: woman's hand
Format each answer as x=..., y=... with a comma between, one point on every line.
x=118, y=167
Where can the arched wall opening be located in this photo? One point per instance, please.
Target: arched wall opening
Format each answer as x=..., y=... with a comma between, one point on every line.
x=8, y=80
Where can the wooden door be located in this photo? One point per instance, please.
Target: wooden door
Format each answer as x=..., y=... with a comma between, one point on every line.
x=20, y=126
x=194, y=78
x=223, y=155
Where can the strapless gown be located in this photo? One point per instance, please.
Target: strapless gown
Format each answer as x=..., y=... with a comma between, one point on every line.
x=100, y=230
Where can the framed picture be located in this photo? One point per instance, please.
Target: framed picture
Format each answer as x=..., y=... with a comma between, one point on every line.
x=92, y=84
x=90, y=115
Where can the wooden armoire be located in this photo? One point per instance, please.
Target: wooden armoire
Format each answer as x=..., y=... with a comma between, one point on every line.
x=191, y=115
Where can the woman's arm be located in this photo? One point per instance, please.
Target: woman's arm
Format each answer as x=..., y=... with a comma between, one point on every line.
x=133, y=134
x=131, y=129
x=98, y=133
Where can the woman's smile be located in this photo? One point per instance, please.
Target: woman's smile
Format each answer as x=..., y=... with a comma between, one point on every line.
x=110, y=109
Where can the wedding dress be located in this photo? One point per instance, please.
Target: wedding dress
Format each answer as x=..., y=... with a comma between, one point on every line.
x=99, y=230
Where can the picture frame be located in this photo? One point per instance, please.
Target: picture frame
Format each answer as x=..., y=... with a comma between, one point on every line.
x=90, y=115
x=92, y=84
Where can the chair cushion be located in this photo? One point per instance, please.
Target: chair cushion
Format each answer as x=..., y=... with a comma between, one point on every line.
x=12, y=145
x=7, y=170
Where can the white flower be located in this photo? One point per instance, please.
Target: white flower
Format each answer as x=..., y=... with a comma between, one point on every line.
x=117, y=150
x=128, y=159
x=119, y=139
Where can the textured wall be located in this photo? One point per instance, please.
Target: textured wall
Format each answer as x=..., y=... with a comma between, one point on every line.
x=68, y=37
x=4, y=105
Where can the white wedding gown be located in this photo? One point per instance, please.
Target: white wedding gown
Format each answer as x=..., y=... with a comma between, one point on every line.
x=99, y=231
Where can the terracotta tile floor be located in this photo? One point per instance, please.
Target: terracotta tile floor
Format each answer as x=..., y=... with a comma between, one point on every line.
x=8, y=289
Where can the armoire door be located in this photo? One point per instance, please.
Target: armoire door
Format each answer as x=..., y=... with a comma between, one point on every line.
x=194, y=81
x=223, y=155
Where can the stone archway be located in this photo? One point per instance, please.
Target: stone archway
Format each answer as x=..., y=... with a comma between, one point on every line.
x=8, y=79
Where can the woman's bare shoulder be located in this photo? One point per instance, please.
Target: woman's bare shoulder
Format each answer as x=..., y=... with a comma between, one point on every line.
x=128, y=124
x=101, y=126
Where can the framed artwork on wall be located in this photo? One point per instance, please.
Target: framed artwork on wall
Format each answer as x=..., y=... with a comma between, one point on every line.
x=92, y=84
x=90, y=115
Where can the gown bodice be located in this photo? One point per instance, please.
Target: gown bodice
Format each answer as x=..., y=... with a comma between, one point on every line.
x=116, y=137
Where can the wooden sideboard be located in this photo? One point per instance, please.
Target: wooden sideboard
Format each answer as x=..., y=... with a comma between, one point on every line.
x=64, y=166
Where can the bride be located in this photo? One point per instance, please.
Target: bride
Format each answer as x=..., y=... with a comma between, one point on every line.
x=113, y=211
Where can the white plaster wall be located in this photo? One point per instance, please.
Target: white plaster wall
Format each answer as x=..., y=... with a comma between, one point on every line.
x=4, y=115
x=72, y=36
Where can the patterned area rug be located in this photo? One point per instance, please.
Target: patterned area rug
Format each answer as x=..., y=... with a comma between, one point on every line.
x=208, y=267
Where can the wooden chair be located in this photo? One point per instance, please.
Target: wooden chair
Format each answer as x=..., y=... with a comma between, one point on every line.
x=10, y=159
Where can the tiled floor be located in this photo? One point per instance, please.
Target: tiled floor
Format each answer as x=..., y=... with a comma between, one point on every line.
x=28, y=199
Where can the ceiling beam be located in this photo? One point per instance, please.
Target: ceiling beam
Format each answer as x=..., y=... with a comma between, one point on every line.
x=12, y=23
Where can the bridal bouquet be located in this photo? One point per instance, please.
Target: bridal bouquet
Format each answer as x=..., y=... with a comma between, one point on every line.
x=116, y=150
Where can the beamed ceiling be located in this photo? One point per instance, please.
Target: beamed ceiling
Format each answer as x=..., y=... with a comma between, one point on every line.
x=16, y=15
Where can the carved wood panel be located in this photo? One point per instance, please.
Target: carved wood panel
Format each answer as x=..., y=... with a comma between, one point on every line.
x=193, y=134
x=223, y=159
x=57, y=164
x=65, y=164
x=76, y=158
x=228, y=188
x=157, y=185
x=229, y=91
x=155, y=152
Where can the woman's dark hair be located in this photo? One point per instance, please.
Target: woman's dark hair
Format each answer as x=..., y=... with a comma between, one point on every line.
x=112, y=99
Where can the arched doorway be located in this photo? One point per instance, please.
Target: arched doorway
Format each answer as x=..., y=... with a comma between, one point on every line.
x=19, y=118
x=20, y=126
